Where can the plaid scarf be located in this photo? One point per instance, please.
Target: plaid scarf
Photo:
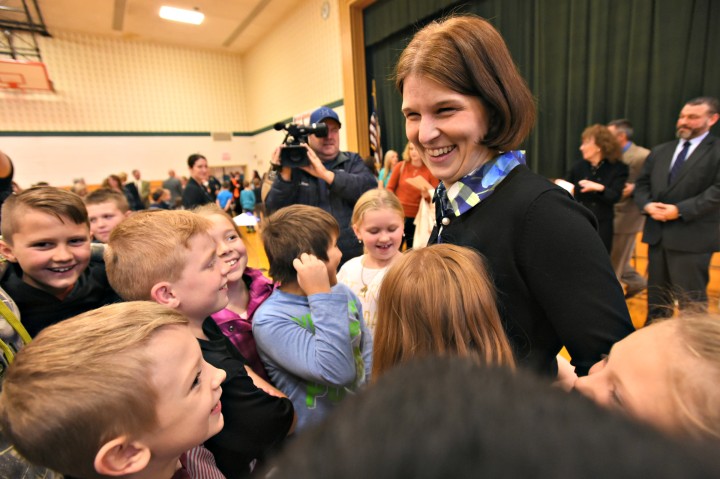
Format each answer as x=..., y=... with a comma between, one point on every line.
x=474, y=187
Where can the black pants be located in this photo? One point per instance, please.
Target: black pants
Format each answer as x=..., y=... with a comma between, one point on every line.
x=676, y=275
x=409, y=233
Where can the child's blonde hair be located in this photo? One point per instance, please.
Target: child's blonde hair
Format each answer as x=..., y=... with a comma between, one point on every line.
x=695, y=377
x=83, y=382
x=106, y=195
x=438, y=300
x=386, y=160
x=406, y=152
x=376, y=199
x=150, y=247
x=61, y=204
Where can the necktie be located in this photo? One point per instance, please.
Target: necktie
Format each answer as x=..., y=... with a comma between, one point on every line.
x=679, y=161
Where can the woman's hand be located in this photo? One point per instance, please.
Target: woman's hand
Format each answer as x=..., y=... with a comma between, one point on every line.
x=587, y=186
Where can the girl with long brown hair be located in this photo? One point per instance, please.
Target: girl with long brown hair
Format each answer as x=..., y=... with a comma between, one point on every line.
x=438, y=300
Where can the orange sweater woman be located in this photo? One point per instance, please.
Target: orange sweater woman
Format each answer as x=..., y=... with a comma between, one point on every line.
x=409, y=195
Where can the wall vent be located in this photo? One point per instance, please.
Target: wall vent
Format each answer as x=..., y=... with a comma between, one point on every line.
x=222, y=136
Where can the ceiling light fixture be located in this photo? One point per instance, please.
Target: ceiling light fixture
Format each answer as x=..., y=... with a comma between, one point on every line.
x=181, y=15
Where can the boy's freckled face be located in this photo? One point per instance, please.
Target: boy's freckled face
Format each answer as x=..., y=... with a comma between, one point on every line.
x=52, y=253
x=202, y=287
x=103, y=218
x=188, y=407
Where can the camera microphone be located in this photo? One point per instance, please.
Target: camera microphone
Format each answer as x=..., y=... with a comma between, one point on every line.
x=279, y=126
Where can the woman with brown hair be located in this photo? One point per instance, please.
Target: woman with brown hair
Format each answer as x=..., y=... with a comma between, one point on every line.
x=467, y=110
x=438, y=300
x=599, y=180
x=114, y=182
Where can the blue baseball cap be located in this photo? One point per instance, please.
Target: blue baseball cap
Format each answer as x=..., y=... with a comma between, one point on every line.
x=323, y=113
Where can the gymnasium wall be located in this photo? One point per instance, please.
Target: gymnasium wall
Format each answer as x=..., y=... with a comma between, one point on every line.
x=296, y=67
x=122, y=104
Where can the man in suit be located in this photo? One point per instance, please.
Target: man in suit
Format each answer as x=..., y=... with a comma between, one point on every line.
x=628, y=219
x=679, y=191
x=173, y=184
x=143, y=188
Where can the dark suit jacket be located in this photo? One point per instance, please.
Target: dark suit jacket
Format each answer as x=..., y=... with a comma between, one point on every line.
x=610, y=175
x=194, y=195
x=695, y=191
x=133, y=196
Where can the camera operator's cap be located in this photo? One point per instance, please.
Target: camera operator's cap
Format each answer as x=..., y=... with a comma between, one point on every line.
x=324, y=113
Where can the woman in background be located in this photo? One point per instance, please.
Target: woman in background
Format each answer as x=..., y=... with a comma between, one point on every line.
x=391, y=159
x=195, y=193
x=114, y=182
x=410, y=195
x=599, y=180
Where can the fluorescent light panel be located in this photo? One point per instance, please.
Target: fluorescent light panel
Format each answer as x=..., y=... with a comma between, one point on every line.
x=180, y=15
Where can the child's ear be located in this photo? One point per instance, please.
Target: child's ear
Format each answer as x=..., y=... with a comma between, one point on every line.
x=356, y=231
x=7, y=252
x=163, y=293
x=121, y=457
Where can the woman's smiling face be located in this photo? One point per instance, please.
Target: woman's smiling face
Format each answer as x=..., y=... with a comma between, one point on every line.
x=446, y=128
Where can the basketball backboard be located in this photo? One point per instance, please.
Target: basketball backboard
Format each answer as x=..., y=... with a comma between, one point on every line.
x=23, y=75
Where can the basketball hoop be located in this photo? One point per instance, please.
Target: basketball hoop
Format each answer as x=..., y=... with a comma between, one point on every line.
x=20, y=76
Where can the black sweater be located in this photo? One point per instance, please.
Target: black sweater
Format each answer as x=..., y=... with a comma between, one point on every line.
x=554, y=279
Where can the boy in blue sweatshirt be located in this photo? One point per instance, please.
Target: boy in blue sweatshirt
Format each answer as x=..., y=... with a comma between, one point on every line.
x=310, y=332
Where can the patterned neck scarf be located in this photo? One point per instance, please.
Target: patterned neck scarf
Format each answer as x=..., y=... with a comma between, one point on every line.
x=474, y=187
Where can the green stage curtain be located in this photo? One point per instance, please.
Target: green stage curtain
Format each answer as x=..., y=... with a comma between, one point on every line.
x=586, y=61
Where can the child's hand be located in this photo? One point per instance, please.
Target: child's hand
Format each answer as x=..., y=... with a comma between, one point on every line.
x=312, y=274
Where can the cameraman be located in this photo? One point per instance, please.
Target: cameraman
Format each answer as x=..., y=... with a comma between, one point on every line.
x=333, y=181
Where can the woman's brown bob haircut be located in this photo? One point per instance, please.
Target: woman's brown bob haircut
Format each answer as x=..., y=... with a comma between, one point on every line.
x=438, y=300
x=606, y=141
x=467, y=55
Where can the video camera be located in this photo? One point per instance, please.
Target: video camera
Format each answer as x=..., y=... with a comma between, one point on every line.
x=293, y=154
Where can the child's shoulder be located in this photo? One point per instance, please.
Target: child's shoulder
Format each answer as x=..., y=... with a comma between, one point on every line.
x=287, y=305
x=341, y=288
x=280, y=303
x=352, y=264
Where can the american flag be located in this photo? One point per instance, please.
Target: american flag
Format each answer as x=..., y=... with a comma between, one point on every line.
x=375, y=145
